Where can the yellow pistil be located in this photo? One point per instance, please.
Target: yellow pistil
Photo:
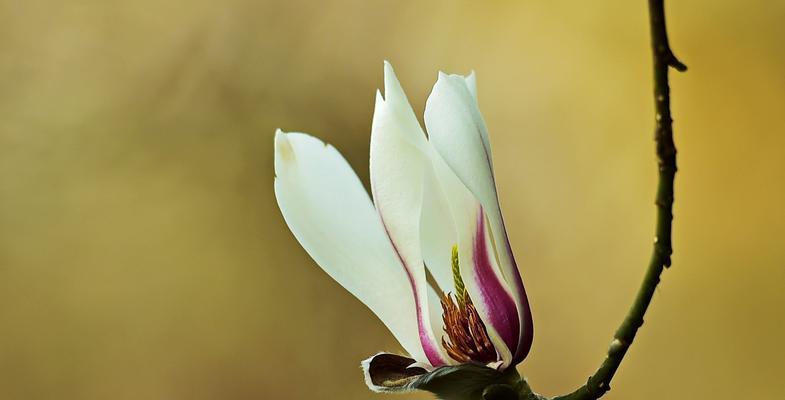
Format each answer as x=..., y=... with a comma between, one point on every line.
x=456, y=275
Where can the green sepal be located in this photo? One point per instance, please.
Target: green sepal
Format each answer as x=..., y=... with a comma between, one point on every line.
x=386, y=372
x=474, y=382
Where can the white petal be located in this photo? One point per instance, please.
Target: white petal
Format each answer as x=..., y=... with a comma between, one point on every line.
x=397, y=166
x=438, y=234
x=482, y=277
x=331, y=215
x=457, y=131
x=480, y=273
x=471, y=85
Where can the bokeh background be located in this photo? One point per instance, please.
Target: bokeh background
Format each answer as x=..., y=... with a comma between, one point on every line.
x=142, y=254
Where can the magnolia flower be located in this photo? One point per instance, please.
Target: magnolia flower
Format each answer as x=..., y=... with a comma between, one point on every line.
x=429, y=255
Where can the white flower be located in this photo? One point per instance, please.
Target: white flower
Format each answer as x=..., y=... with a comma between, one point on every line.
x=435, y=211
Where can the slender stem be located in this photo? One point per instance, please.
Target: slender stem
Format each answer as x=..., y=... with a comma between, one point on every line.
x=663, y=57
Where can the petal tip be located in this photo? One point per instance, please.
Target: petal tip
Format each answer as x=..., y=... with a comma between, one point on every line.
x=471, y=84
x=284, y=152
x=389, y=71
x=392, y=86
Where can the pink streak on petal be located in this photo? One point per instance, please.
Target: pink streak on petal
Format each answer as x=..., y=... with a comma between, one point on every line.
x=526, y=333
x=502, y=311
x=429, y=347
x=526, y=336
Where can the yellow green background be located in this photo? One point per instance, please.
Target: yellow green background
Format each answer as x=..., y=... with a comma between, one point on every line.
x=142, y=254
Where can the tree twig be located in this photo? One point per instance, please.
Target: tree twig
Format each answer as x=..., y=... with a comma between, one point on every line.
x=663, y=58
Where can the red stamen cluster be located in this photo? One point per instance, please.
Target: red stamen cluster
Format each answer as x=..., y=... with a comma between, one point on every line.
x=469, y=340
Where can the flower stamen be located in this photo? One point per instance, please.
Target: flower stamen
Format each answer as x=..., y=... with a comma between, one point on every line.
x=468, y=337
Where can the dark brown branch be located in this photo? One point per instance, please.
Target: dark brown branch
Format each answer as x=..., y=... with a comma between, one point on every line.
x=663, y=57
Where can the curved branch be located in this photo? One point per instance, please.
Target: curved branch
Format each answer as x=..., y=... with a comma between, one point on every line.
x=663, y=57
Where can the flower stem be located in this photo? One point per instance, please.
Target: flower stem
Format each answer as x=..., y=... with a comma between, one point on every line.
x=663, y=58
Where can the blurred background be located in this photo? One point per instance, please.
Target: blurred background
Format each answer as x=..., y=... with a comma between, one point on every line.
x=142, y=254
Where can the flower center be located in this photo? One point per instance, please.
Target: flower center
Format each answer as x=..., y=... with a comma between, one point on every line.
x=468, y=338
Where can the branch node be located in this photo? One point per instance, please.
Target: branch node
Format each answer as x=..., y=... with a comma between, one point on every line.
x=674, y=62
x=617, y=347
